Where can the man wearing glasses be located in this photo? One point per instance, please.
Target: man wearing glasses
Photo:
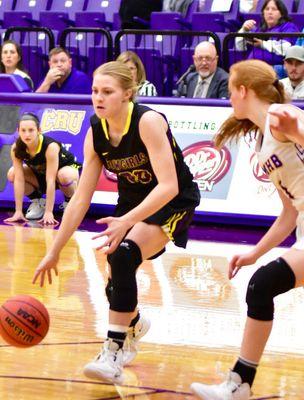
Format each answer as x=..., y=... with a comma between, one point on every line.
x=208, y=80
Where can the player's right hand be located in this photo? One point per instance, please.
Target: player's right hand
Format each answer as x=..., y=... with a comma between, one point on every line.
x=240, y=260
x=17, y=217
x=45, y=267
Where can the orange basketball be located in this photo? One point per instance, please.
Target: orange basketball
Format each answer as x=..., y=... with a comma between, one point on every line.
x=24, y=321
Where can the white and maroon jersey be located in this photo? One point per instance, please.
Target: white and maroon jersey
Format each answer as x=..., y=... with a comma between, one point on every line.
x=283, y=162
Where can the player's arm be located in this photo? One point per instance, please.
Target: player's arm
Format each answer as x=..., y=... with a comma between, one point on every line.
x=19, y=187
x=153, y=128
x=280, y=229
x=80, y=201
x=75, y=211
x=153, y=132
x=287, y=123
x=52, y=165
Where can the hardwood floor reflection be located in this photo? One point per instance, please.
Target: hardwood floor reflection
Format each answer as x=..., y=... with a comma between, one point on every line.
x=197, y=317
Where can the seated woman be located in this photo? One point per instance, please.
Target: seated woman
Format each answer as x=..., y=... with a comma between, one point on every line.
x=40, y=165
x=275, y=19
x=131, y=59
x=11, y=61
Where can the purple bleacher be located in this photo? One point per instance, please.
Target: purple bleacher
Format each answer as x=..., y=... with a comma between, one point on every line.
x=127, y=41
x=11, y=83
x=90, y=19
x=300, y=8
x=61, y=14
x=205, y=21
x=165, y=20
x=95, y=10
x=227, y=19
x=171, y=20
x=298, y=15
x=152, y=61
x=89, y=47
x=26, y=13
x=116, y=21
x=193, y=7
x=97, y=55
x=5, y=5
x=35, y=62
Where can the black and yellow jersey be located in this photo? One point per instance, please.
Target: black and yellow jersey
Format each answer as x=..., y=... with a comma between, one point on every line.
x=38, y=162
x=130, y=162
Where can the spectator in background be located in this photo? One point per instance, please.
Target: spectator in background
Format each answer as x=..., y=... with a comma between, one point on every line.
x=131, y=59
x=11, y=61
x=294, y=66
x=137, y=8
x=275, y=19
x=62, y=78
x=208, y=81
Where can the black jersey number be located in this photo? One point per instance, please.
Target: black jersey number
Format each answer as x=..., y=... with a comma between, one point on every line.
x=137, y=176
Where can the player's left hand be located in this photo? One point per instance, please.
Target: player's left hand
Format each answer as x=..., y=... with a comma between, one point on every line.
x=115, y=232
x=48, y=219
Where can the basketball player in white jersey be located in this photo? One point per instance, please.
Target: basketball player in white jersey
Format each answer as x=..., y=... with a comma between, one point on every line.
x=259, y=105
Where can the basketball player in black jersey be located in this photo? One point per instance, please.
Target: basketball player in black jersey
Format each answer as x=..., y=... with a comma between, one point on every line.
x=40, y=165
x=157, y=198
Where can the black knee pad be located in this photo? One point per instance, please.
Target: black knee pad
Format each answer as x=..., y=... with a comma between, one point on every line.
x=267, y=282
x=124, y=262
x=109, y=289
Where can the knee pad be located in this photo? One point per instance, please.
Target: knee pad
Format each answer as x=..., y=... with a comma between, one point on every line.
x=109, y=289
x=266, y=283
x=124, y=262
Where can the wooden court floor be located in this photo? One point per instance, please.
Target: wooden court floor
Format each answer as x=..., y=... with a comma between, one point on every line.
x=197, y=316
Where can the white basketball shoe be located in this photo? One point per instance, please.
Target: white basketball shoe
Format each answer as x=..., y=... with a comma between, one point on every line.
x=108, y=365
x=36, y=209
x=231, y=389
x=134, y=334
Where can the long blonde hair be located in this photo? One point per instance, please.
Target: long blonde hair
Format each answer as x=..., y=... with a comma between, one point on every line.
x=120, y=72
x=261, y=78
x=129, y=55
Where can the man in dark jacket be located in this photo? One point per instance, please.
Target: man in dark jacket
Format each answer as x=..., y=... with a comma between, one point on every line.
x=137, y=8
x=208, y=81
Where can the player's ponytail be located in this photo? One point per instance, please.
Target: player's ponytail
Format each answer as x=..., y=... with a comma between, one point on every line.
x=259, y=77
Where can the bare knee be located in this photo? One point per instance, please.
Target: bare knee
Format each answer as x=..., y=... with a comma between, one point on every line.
x=11, y=175
x=66, y=177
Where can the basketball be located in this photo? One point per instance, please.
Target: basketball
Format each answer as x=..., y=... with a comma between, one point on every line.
x=24, y=321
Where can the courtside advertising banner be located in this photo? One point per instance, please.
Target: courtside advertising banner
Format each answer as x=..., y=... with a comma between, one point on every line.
x=230, y=179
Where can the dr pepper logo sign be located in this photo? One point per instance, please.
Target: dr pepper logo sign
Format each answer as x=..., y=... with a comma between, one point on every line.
x=207, y=164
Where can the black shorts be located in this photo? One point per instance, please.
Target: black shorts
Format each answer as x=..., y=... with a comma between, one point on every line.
x=174, y=221
x=41, y=178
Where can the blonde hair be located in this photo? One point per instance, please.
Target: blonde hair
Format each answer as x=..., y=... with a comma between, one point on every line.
x=128, y=55
x=120, y=72
x=261, y=78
